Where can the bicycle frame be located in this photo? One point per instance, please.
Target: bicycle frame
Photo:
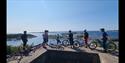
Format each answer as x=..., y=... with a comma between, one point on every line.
x=101, y=42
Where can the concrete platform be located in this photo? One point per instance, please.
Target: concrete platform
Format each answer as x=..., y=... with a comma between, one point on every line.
x=104, y=57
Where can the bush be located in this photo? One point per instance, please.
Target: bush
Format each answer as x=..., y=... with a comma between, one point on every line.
x=12, y=49
x=16, y=49
x=53, y=36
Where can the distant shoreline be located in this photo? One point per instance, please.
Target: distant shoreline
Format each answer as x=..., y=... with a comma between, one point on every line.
x=63, y=31
x=11, y=37
x=53, y=36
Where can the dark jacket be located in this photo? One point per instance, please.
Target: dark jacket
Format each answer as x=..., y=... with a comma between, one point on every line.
x=86, y=35
x=71, y=36
x=104, y=36
x=24, y=38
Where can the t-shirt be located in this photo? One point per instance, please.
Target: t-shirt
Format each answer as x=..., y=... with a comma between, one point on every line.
x=24, y=37
x=70, y=35
x=57, y=37
x=86, y=35
x=45, y=36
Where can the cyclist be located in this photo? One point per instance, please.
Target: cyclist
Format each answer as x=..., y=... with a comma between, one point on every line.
x=45, y=38
x=71, y=38
x=24, y=39
x=57, y=38
x=86, y=36
x=104, y=38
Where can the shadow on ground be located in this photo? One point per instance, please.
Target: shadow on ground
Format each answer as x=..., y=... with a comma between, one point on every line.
x=115, y=53
x=54, y=56
x=78, y=49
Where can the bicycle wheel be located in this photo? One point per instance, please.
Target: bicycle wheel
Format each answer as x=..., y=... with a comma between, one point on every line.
x=92, y=45
x=65, y=43
x=76, y=44
x=111, y=47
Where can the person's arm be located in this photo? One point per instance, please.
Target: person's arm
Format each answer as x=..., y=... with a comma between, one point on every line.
x=72, y=35
x=43, y=36
x=27, y=37
x=101, y=36
x=21, y=37
x=109, y=38
x=68, y=36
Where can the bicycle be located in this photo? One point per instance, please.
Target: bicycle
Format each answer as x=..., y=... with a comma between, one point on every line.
x=58, y=46
x=110, y=45
x=66, y=43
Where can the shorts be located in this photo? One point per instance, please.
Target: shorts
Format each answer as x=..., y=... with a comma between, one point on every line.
x=71, y=41
x=45, y=40
x=86, y=40
x=24, y=42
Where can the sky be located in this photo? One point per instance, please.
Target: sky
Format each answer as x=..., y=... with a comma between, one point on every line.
x=61, y=15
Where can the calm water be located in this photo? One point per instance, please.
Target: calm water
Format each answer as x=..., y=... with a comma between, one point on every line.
x=38, y=39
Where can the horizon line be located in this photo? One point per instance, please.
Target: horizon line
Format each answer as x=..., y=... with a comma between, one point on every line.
x=59, y=31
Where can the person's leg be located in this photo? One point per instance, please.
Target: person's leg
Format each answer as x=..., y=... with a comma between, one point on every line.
x=104, y=45
x=46, y=41
x=43, y=44
x=86, y=42
x=57, y=42
x=24, y=45
x=70, y=42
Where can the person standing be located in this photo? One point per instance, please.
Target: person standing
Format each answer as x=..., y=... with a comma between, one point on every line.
x=45, y=38
x=24, y=39
x=86, y=36
x=58, y=39
x=104, y=38
x=71, y=38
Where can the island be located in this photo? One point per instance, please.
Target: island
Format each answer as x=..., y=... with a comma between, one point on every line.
x=11, y=37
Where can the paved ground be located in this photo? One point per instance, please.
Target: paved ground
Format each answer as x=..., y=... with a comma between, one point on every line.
x=104, y=57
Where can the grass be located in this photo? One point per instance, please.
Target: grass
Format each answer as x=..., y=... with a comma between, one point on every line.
x=15, y=49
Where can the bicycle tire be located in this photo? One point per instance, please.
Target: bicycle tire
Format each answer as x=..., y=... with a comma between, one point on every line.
x=76, y=44
x=111, y=47
x=65, y=43
x=92, y=45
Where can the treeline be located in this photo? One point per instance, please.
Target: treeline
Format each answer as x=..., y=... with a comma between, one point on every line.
x=18, y=36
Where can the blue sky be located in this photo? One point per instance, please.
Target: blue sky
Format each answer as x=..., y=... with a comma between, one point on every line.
x=61, y=15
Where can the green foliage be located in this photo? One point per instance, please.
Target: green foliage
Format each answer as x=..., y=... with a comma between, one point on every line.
x=98, y=44
x=12, y=49
x=79, y=36
x=18, y=36
x=54, y=36
x=16, y=49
